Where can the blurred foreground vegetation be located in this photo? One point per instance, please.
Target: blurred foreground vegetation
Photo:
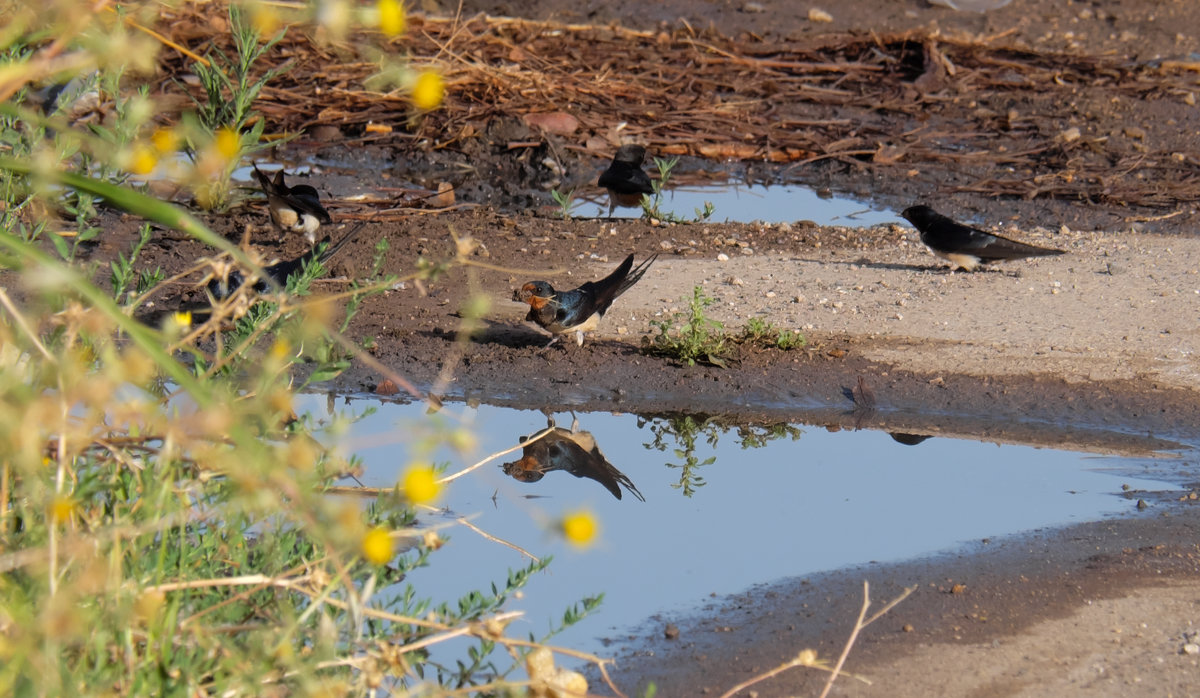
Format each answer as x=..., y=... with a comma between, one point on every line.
x=166, y=526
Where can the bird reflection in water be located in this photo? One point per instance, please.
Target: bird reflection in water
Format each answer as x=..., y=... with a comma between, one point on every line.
x=571, y=450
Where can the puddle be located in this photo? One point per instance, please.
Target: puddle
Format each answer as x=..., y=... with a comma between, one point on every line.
x=732, y=201
x=740, y=203
x=758, y=504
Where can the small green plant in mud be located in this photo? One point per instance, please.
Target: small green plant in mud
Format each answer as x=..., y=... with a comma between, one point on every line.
x=690, y=337
x=566, y=203
x=226, y=115
x=765, y=334
x=652, y=204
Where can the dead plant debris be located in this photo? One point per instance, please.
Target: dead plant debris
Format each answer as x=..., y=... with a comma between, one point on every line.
x=864, y=100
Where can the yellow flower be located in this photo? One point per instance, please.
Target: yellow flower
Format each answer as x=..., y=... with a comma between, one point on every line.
x=62, y=508
x=182, y=318
x=579, y=528
x=377, y=546
x=428, y=90
x=165, y=140
x=280, y=349
x=420, y=484
x=227, y=143
x=264, y=18
x=391, y=17
x=143, y=160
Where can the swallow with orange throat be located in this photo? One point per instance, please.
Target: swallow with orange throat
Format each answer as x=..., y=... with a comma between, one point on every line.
x=294, y=209
x=574, y=451
x=625, y=179
x=580, y=310
x=964, y=246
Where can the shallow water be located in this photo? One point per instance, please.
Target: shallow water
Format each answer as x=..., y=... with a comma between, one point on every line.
x=787, y=501
x=743, y=203
x=732, y=201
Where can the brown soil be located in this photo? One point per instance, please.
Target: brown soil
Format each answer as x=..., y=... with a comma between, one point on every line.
x=1095, y=348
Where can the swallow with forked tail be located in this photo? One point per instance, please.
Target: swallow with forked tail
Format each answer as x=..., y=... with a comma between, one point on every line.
x=574, y=451
x=295, y=209
x=277, y=274
x=625, y=180
x=964, y=246
x=578, y=311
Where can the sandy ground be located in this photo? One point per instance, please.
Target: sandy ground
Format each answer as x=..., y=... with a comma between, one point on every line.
x=1116, y=307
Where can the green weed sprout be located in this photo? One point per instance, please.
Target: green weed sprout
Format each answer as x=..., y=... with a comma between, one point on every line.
x=566, y=203
x=652, y=204
x=690, y=337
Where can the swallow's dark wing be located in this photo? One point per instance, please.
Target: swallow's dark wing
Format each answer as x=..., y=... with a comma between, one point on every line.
x=566, y=453
x=946, y=235
x=305, y=199
x=1000, y=247
x=570, y=308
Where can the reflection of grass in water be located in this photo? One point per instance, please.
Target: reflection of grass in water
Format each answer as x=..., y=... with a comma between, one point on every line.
x=687, y=431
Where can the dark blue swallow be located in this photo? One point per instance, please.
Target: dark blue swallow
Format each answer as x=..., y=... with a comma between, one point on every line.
x=964, y=246
x=277, y=274
x=578, y=311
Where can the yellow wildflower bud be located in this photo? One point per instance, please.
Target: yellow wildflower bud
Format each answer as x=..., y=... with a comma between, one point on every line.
x=420, y=484
x=579, y=528
x=428, y=91
x=264, y=18
x=227, y=143
x=62, y=508
x=165, y=140
x=280, y=349
x=143, y=160
x=391, y=17
x=377, y=546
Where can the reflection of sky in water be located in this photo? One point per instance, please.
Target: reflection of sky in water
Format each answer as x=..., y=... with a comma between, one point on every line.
x=823, y=501
x=743, y=204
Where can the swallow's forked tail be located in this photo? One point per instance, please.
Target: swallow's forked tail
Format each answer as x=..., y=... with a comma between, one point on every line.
x=635, y=275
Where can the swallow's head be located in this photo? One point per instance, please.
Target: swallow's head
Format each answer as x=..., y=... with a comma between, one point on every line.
x=536, y=293
x=631, y=153
x=918, y=215
x=528, y=469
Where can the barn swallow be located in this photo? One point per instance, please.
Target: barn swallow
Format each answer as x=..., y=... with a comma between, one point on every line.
x=964, y=246
x=296, y=209
x=578, y=311
x=574, y=451
x=277, y=274
x=624, y=179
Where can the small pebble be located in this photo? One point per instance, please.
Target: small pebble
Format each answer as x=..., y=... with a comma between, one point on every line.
x=818, y=15
x=722, y=257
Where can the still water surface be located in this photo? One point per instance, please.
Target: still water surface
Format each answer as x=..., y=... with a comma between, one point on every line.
x=789, y=500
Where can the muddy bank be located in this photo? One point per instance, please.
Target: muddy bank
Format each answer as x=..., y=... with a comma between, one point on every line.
x=1099, y=609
